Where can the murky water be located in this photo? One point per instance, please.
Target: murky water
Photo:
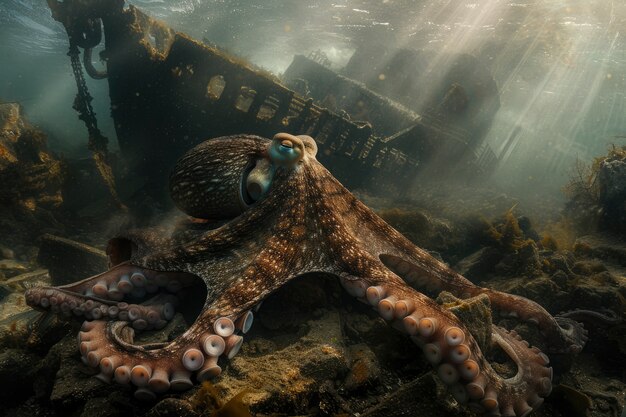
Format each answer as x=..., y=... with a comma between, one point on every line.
x=491, y=133
x=559, y=65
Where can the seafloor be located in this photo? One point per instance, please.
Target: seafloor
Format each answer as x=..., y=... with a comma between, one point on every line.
x=313, y=350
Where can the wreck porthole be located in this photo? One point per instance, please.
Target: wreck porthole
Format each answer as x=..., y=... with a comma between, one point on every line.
x=245, y=99
x=215, y=87
x=268, y=108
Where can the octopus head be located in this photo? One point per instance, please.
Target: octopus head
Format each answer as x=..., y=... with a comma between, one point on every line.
x=221, y=178
x=289, y=150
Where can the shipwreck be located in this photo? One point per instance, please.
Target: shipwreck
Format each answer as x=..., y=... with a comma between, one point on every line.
x=169, y=92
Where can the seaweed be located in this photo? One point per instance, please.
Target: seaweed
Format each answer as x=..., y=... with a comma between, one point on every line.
x=507, y=235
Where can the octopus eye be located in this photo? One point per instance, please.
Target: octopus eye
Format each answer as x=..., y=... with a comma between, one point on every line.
x=286, y=150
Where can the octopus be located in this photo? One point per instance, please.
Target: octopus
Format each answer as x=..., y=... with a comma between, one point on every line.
x=268, y=212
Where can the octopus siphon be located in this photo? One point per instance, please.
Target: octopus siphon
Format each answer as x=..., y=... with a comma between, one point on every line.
x=280, y=214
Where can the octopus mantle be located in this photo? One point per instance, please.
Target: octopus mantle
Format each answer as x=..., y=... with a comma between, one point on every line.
x=281, y=214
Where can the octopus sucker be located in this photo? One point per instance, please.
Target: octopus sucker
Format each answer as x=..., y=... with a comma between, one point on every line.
x=244, y=323
x=459, y=392
x=459, y=354
x=233, y=344
x=180, y=380
x=209, y=370
x=224, y=326
x=213, y=345
x=193, y=359
x=386, y=308
x=122, y=374
x=476, y=388
x=280, y=214
x=403, y=308
x=103, y=378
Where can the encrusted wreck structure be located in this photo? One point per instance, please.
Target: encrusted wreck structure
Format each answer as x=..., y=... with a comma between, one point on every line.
x=169, y=92
x=31, y=178
x=438, y=118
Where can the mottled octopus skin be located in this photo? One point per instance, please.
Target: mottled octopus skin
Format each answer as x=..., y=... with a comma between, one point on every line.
x=307, y=222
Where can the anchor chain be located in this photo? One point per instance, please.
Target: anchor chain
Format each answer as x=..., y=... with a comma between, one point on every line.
x=97, y=141
x=82, y=103
x=85, y=31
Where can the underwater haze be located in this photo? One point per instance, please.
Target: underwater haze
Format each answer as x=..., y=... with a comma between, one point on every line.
x=559, y=65
x=368, y=208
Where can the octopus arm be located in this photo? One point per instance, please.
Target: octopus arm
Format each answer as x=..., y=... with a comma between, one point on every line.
x=451, y=349
x=199, y=353
x=421, y=270
x=239, y=267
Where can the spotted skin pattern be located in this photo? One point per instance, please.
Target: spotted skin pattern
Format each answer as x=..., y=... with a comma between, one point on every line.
x=304, y=222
